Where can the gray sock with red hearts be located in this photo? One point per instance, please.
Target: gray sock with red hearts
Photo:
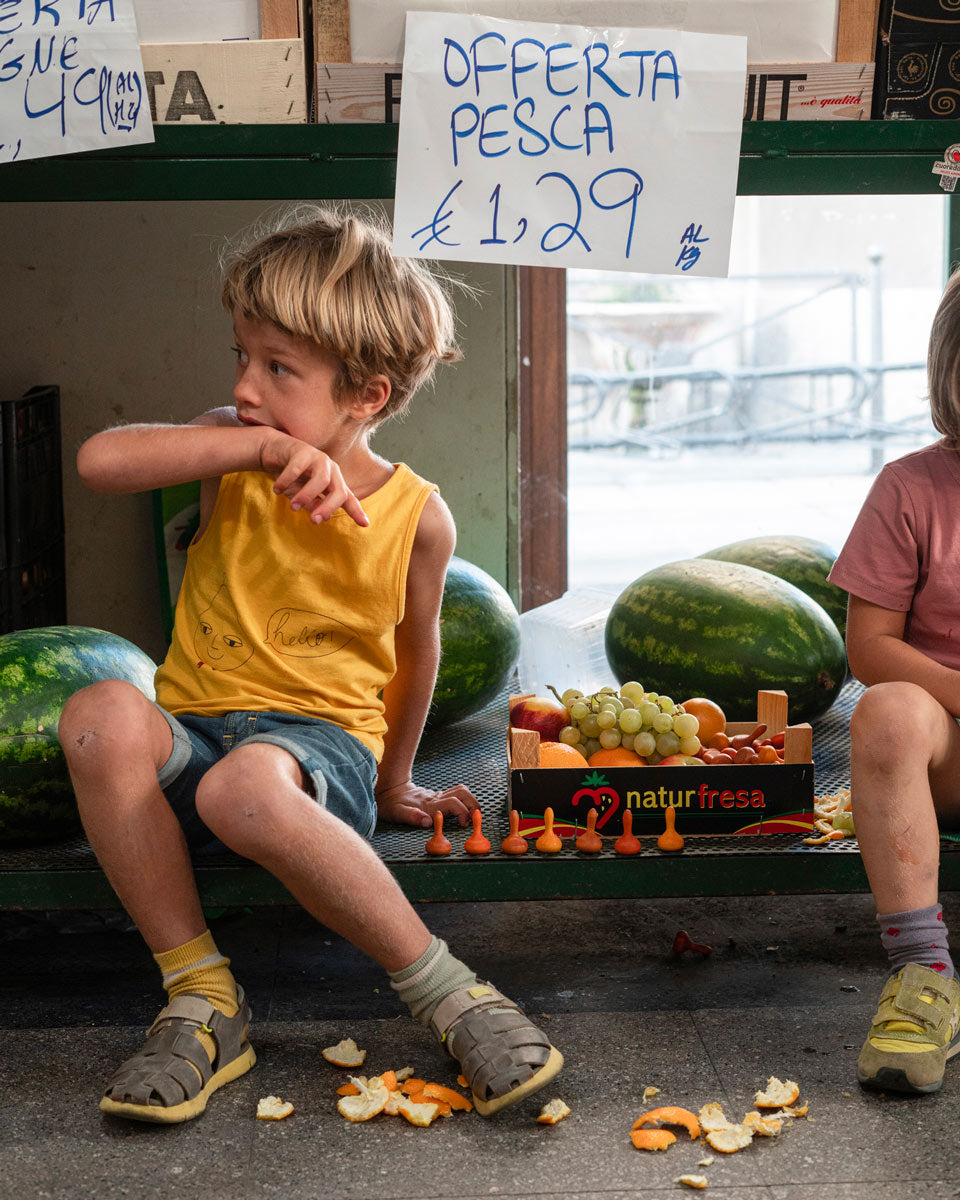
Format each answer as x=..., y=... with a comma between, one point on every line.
x=917, y=936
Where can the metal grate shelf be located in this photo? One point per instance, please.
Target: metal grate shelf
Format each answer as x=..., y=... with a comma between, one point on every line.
x=66, y=875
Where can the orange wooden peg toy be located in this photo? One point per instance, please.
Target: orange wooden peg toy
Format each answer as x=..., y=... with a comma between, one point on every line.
x=670, y=840
x=476, y=843
x=626, y=843
x=438, y=844
x=548, y=842
x=590, y=842
x=514, y=842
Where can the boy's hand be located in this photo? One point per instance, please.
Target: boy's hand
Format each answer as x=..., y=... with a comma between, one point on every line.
x=407, y=804
x=309, y=478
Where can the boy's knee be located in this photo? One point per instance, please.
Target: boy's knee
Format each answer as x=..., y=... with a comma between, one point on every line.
x=88, y=709
x=246, y=792
x=891, y=715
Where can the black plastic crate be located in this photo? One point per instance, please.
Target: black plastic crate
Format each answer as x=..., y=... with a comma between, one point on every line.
x=32, y=477
x=37, y=593
x=32, y=566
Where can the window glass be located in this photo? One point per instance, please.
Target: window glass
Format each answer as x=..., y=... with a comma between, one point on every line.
x=703, y=411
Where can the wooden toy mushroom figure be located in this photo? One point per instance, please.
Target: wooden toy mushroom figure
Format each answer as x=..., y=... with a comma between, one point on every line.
x=476, y=843
x=514, y=842
x=670, y=840
x=590, y=842
x=438, y=844
x=548, y=842
x=626, y=843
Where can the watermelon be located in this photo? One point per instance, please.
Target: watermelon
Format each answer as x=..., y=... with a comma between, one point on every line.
x=39, y=670
x=799, y=560
x=479, y=643
x=699, y=627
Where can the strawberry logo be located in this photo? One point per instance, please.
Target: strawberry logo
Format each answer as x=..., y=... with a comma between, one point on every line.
x=893, y=931
x=605, y=798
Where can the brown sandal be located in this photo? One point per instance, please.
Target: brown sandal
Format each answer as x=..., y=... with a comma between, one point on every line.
x=159, y=1083
x=503, y=1055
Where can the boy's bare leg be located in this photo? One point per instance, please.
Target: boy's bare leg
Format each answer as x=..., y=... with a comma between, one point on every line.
x=904, y=767
x=114, y=740
x=253, y=800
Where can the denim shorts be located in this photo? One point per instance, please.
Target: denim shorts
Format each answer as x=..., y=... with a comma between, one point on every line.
x=340, y=767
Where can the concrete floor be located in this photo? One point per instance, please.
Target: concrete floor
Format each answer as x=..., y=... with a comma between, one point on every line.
x=789, y=991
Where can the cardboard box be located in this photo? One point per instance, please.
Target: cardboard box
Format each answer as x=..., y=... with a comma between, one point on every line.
x=743, y=800
x=918, y=61
x=356, y=93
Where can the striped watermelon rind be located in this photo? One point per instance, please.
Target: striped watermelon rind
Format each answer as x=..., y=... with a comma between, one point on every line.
x=39, y=670
x=701, y=627
x=479, y=643
x=802, y=561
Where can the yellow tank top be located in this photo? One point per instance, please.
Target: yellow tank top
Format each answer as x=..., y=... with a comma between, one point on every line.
x=277, y=614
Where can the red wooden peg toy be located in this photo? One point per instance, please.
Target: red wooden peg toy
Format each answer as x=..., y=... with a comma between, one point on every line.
x=476, y=843
x=626, y=843
x=670, y=840
x=590, y=842
x=548, y=842
x=438, y=844
x=514, y=842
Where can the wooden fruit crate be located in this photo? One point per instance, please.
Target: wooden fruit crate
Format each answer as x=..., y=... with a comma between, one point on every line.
x=745, y=800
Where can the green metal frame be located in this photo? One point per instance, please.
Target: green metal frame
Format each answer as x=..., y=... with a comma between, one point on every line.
x=359, y=162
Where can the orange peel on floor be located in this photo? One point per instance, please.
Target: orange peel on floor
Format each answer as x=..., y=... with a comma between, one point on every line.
x=437, y=1091
x=416, y=1113
x=670, y=1115
x=552, y=1112
x=345, y=1053
x=777, y=1094
x=652, y=1139
x=272, y=1108
x=692, y=1181
x=372, y=1099
x=412, y=1085
x=764, y=1126
x=730, y=1139
x=712, y=1117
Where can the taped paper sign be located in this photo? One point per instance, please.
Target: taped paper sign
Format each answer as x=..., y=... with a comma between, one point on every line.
x=71, y=78
x=567, y=146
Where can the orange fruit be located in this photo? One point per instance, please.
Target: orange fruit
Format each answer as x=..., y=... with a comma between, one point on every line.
x=559, y=754
x=617, y=757
x=710, y=715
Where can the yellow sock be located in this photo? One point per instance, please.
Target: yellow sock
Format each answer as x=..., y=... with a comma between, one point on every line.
x=199, y=967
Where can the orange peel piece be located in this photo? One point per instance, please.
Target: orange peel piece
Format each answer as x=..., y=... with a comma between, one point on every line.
x=552, y=1112
x=436, y=1091
x=764, y=1126
x=418, y=1114
x=777, y=1094
x=670, y=1115
x=412, y=1085
x=272, y=1108
x=345, y=1053
x=731, y=1139
x=652, y=1139
x=692, y=1181
x=372, y=1099
x=348, y=1089
x=712, y=1117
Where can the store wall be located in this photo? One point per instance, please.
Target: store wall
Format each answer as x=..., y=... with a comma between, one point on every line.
x=118, y=305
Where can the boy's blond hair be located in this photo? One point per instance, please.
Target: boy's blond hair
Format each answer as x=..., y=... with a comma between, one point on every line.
x=329, y=275
x=943, y=362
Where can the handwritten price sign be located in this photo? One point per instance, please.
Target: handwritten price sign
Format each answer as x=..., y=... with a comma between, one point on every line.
x=71, y=77
x=560, y=145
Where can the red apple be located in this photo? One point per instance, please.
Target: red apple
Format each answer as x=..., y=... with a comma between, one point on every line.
x=541, y=714
x=680, y=760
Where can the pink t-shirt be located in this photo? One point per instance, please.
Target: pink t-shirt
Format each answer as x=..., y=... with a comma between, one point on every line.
x=903, y=552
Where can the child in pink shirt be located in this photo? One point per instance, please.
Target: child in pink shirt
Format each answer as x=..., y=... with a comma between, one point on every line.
x=900, y=565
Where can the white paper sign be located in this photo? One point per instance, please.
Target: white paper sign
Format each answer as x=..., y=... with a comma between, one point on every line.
x=71, y=78
x=566, y=146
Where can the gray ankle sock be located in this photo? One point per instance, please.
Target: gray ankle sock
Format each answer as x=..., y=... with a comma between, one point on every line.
x=435, y=974
x=917, y=936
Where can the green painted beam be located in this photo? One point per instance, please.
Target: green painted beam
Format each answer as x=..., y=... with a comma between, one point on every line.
x=359, y=161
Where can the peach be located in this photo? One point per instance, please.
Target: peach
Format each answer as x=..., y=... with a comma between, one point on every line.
x=545, y=716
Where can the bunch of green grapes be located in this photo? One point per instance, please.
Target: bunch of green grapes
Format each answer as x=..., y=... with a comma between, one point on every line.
x=647, y=723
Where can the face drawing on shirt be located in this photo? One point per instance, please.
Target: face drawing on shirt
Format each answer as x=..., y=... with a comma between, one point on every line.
x=216, y=639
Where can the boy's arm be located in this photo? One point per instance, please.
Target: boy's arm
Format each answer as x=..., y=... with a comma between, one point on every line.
x=877, y=653
x=138, y=458
x=408, y=694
